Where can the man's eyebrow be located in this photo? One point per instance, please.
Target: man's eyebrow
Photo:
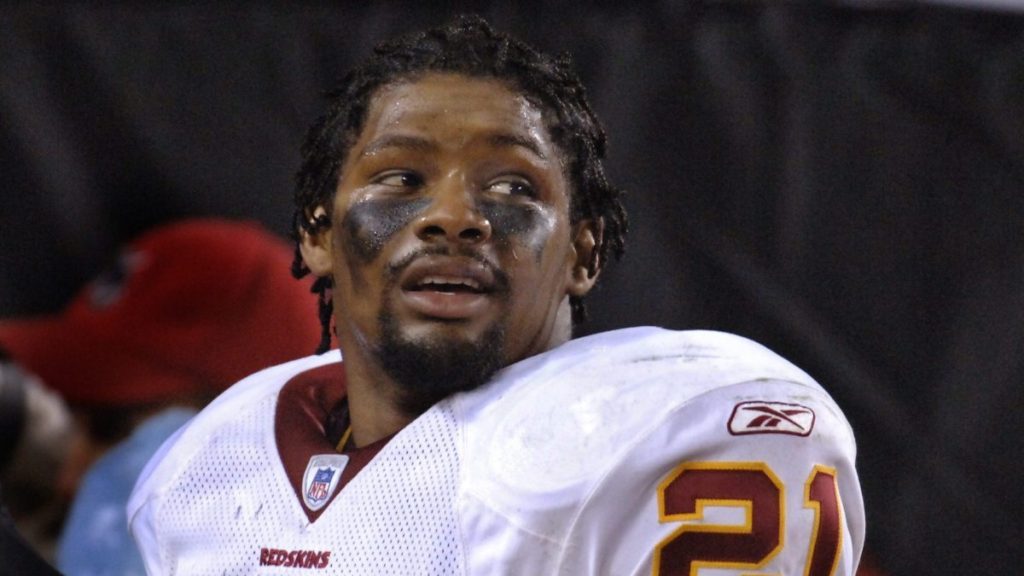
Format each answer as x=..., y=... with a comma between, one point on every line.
x=397, y=141
x=506, y=139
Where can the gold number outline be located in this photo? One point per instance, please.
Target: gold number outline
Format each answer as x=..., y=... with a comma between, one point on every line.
x=810, y=502
x=747, y=504
x=742, y=529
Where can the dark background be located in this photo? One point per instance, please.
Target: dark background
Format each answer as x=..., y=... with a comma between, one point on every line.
x=844, y=183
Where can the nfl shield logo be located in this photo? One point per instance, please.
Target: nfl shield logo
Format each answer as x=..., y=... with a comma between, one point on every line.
x=320, y=488
x=321, y=479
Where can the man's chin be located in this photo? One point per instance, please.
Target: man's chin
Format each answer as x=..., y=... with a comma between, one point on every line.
x=440, y=333
x=431, y=365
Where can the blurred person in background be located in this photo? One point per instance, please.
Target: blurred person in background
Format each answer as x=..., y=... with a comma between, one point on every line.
x=18, y=556
x=185, y=310
x=35, y=430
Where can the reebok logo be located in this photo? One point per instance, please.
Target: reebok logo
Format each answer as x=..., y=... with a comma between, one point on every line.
x=771, y=418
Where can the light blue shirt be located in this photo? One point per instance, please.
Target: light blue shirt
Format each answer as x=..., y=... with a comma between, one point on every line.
x=95, y=540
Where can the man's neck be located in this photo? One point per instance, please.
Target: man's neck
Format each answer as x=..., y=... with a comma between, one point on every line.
x=374, y=410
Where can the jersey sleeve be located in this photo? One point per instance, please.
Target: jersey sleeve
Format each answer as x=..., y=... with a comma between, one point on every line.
x=754, y=477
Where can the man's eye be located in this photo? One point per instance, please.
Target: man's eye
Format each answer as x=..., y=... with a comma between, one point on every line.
x=399, y=179
x=511, y=187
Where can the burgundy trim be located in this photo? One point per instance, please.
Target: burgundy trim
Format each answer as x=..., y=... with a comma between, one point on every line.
x=303, y=405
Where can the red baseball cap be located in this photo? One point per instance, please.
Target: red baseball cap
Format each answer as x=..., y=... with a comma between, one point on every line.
x=188, y=309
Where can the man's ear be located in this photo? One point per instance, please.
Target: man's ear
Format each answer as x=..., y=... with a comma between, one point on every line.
x=316, y=248
x=586, y=265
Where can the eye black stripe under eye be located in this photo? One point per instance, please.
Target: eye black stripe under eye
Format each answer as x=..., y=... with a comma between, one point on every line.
x=370, y=224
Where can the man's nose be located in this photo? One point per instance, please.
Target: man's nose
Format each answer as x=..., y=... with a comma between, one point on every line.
x=453, y=215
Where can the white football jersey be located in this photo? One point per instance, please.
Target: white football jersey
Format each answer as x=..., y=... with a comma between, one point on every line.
x=634, y=452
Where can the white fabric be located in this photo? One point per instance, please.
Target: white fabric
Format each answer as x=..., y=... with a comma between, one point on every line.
x=552, y=468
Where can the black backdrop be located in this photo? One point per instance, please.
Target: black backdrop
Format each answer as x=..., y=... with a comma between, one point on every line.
x=844, y=183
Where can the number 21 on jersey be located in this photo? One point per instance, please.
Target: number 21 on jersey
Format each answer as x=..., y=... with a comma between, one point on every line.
x=753, y=488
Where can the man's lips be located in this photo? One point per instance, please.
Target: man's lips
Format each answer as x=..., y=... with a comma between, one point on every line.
x=457, y=273
x=447, y=287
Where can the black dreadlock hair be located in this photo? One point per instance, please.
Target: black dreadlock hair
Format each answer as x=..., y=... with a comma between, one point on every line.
x=469, y=46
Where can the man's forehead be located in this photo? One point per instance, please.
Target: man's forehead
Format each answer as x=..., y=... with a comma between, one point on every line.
x=411, y=113
x=448, y=93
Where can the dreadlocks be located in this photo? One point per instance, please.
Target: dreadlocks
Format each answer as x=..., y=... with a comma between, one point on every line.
x=468, y=46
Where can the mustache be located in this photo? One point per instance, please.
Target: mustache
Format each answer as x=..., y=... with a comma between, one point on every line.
x=394, y=269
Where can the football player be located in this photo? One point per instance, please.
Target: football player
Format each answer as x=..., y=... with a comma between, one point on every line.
x=453, y=206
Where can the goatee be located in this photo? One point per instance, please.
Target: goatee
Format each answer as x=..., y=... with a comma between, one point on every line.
x=430, y=370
